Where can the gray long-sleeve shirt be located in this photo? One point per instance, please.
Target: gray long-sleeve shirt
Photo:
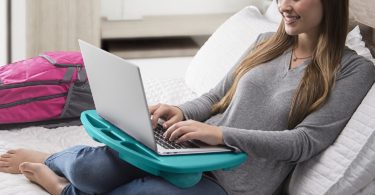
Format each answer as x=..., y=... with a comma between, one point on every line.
x=256, y=120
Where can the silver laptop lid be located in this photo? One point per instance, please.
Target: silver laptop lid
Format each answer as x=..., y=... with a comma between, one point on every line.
x=116, y=86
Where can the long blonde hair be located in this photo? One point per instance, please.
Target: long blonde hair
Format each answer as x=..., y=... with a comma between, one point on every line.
x=319, y=76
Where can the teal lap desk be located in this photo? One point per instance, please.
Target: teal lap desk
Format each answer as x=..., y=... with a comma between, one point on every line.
x=180, y=170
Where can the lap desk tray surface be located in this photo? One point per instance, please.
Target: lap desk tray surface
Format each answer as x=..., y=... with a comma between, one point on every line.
x=180, y=170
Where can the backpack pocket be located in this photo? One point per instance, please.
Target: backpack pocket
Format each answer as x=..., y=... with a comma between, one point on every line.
x=79, y=99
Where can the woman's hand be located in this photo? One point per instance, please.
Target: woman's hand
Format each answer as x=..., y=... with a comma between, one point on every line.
x=170, y=114
x=194, y=130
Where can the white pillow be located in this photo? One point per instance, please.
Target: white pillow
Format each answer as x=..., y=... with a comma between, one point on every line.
x=273, y=13
x=225, y=48
x=348, y=165
x=354, y=42
x=262, y=5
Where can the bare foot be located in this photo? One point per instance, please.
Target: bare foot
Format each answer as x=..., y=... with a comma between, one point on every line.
x=42, y=175
x=10, y=161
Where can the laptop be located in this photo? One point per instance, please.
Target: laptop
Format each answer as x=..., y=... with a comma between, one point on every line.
x=119, y=98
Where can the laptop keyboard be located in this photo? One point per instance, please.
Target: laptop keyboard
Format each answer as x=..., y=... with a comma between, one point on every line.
x=158, y=133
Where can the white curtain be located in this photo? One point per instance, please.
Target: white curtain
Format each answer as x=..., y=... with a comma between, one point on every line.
x=3, y=32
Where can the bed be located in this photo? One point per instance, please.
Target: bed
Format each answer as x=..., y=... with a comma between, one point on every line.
x=309, y=178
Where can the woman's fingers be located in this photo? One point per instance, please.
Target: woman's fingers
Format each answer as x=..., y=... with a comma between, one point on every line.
x=180, y=132
x=163, y=111
x=154, y=115
x=153, y=108
x=170, y=130
x=176, y=117
x=167, y=134
x=170, y=114
x=193, y=130
x=189, y=136
x=170, y=122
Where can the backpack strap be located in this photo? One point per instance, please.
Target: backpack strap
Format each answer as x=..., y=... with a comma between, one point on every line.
x=69, y=74
x=82, y=76
x=70, y=67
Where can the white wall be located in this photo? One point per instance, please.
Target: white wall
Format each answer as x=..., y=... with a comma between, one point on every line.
x=3, y=33
x=135, y=9
x=18, y=30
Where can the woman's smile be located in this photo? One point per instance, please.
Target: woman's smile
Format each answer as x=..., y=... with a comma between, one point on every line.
x=290, y=19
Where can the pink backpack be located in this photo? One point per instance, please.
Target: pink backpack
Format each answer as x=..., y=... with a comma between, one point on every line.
x=51, y=86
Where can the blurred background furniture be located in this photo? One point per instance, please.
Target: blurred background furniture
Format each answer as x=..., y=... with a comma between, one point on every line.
x=129, y=28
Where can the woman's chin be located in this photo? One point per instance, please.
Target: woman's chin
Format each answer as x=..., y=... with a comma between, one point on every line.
x=291, y=32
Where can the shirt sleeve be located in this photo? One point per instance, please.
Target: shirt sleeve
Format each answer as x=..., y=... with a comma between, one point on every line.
x=319, y=129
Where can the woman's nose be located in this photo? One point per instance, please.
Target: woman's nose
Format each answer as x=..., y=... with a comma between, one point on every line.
x=284, y=5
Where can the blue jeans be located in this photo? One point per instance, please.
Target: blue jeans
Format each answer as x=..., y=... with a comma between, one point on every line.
x=99, y=170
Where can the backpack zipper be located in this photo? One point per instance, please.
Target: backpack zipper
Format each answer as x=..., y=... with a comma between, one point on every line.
x=29, y=100
x=31, y=83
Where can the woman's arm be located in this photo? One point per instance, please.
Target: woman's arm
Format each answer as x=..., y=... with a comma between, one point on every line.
x=319, y=129
x=200, y=109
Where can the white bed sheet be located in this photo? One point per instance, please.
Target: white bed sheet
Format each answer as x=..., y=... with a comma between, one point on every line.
x=47, y=140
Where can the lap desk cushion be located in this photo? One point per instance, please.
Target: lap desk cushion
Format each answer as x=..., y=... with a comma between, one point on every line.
x=345, y=167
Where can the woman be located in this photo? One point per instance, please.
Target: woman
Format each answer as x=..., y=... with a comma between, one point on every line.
x=284, y=103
